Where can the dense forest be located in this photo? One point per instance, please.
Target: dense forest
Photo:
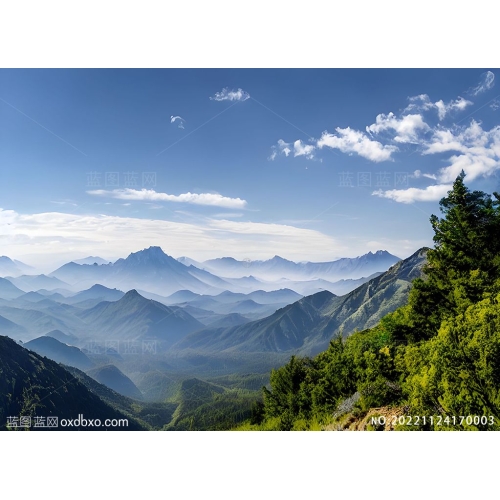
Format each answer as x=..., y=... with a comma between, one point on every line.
x=433, y=364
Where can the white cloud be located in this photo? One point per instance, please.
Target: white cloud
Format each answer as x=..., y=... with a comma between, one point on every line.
x=410, y=195
x=300, y=149
x=54, y=236
x=353, y=141
x=181, y=120
x=479, y=151
x=418, y=174
x=406, y=128
x=230, y=95
x=486, y=83
x=209, y=199
x=495, y=104
x=281, y=148
x=458, y=104
x=422, y=102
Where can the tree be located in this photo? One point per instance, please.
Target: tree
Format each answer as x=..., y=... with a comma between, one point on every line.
x=466, y=246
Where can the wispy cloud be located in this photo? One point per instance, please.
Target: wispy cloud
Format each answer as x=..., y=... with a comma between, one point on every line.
x=228, y=215
x=352, y=141
x=230, y=95
x=418, y=174
x=181, y=121
x=486, y=82
x=410, y=195
x=209, y=199
x=423, y=102
x=56, y=236
x=299, y=148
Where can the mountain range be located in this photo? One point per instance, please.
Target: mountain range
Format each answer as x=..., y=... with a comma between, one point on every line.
x=277, y=267
x=309, y=324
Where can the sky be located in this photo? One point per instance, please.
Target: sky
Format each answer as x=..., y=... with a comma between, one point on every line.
x=307, y=164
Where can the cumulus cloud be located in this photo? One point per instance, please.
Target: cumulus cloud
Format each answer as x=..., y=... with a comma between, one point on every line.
x=353, y=141
x=230, y=95
x=209, y=199
x=478, y=151
x=423, y=102
x=407, y=127
x=410, y=195
x=181, y=121
x=486, y=82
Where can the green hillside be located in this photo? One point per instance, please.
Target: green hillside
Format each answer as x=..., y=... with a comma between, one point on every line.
x=436, y=357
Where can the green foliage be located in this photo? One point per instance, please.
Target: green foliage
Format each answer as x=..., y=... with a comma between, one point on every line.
x=438, y=356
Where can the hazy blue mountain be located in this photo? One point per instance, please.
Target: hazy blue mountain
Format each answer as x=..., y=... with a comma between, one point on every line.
x=31, y=283
x=56, y=293
x=33, y=322
x=181, y=296
x=8, y=290
x=91, y=261
x=11, y=329
x=60, y=352
x=135, y=317
x=277, y=267
x=284, y=295
x=150, y=269
x=189, y=262
x=28, y=377
x=308, y=324
x=115, y=379
x=233, y=319
x=342, y=287
x=31, y=297
x=9, y=267
x=62, y=337
x=96, y=292
x=285, y=330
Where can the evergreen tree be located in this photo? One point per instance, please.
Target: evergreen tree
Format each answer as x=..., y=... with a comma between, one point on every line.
x=467, y=245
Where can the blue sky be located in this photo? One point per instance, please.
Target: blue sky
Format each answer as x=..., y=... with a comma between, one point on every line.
x=308, y=164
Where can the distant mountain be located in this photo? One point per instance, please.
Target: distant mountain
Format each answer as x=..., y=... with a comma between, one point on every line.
x=189, y=262
x=9, y=267
x=112, y=377
x=33, y=322
x=134, y=317
x=59, y=352
x=149, y=269
x=309, y=324
x=285, y=330
x=181, y=296
x=31, y=283
x=31, y=297
x=96, y=292
x=92, y=260
x=8, y=290
x=277, y=267
x=62, y=337
x=11, y=329
x=233, y=319
x=33, y=386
